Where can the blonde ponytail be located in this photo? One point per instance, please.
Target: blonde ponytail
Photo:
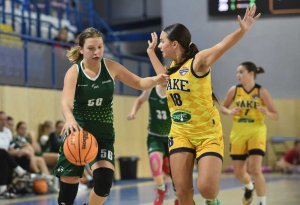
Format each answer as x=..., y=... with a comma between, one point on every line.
x=74, y=54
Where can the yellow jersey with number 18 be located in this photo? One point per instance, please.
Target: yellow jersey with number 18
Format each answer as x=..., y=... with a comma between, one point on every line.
x=192, y=109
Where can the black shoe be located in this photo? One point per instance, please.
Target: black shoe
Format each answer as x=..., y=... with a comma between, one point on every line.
x=248, y=196
x=7, y=195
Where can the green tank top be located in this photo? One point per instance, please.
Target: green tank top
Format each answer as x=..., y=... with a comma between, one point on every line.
x=159, y=115
x=94, y=96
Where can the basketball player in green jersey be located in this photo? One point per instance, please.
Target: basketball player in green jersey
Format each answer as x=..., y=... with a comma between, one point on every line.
x=158, y=130
x=87, y=104
x=196, y=130
x=248, y=135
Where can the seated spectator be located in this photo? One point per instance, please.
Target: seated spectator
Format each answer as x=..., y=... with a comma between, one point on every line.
x=290, y=162
x=8, y=163
x=21, y=145
x=10, y=124
x=50, y=143
x=9, y=166
x=62, y=37
x=55, y=140
x=76, y=38
x=44, y=130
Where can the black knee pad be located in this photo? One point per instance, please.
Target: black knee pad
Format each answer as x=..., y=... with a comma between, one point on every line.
x=67, y=193
x=103, y=178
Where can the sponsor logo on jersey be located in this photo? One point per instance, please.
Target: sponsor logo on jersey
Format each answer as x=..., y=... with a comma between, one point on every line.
x=255, y=96
x=152, y=98
x=183, y=71
x=80, y=85
x=181, y=116
x=107, y=81
x=170, y=141
x=62, y=169
x=161, y=101
x=95, y=86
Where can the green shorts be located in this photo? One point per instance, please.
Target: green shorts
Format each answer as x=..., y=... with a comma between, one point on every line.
x=104, y=135
x=156, y=143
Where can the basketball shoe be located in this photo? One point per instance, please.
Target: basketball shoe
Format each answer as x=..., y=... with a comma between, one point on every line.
x=160, y=195
x=248, y=196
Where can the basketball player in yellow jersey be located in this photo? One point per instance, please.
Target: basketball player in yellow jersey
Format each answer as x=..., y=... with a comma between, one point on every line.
x=196, y=131
x=248, y=135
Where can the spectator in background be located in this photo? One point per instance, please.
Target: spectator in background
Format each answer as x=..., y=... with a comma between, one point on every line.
x=290, y=162
x=55, y=140
x=21, y=146
x=51, y=142
x=76, y=38
x=44, y=130
x=62, y=35
x=10, y=124
x=43, y=140
x=8, y=163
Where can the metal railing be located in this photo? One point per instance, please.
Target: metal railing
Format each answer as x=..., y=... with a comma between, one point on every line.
x=34, y=62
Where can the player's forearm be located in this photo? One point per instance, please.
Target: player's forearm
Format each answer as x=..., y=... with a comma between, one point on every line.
x=225, y=110
x=157, y=65
x=147, y=83
x=272, y=115
x=231, y=39
x=67, y=112
x=136, y=107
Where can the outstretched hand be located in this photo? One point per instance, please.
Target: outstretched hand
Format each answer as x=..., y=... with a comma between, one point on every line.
x=152, y=44
x=249, y=18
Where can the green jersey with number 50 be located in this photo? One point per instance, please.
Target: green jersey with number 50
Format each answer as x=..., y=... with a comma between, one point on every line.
x=94, y=96
x=159, y=118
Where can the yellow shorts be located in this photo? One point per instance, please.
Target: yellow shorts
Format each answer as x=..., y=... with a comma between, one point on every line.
x=248, y=139
x=211, y=145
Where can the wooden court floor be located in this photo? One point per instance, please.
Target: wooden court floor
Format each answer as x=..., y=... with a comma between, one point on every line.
x=281, y=190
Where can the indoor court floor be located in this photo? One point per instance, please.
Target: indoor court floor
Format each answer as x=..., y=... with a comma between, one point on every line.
x=281, y=190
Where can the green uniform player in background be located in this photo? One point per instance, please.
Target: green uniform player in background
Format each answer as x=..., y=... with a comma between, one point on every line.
x=158, y=130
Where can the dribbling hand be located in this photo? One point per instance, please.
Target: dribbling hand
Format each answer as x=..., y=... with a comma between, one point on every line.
x=69, y=127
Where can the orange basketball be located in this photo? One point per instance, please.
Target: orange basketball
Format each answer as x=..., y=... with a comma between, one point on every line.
x=80, y=148
x=40, y=186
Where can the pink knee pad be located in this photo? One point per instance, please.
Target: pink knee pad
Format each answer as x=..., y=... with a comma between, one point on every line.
x=156, y=164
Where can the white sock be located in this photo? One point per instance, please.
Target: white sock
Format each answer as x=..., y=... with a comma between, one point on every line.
x=249, y=186
x=261, y=200
x=3, y=188
x=162, y=187
x=20, y=171
x=89, y=177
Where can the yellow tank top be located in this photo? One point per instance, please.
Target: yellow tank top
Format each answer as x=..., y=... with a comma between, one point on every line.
x=248, y=101
x=191, y=105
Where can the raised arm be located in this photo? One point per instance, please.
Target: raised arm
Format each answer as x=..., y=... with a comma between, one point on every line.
x=157, y=65
x=138, y=103
x=123, y=74
x=269, y=110
x=205, y=58
x=67, y=101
